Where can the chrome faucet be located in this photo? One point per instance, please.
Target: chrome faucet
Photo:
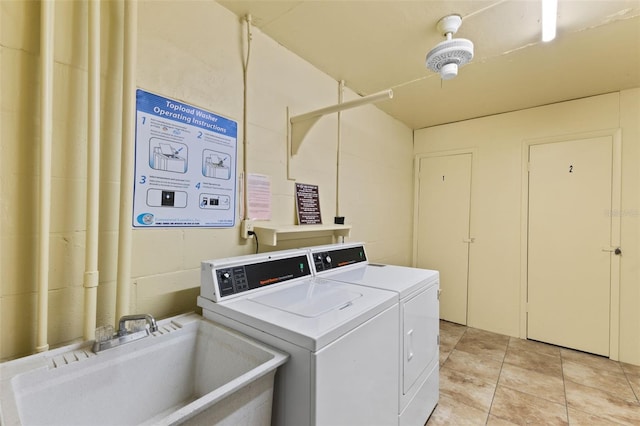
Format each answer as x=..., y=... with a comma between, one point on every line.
x=122, y=330
x=106, y=339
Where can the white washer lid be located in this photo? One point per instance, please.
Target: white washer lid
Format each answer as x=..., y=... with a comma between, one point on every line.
x=401, y=279
x=308, y=299
x=312, y=333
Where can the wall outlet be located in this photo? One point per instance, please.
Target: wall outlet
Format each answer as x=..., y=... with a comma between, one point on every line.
x=245, y=226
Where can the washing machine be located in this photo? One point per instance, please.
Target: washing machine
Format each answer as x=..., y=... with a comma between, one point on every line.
x=342, y=339
x=417, y=296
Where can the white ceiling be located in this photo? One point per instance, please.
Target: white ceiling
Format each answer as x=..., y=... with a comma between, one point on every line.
x=376, y=45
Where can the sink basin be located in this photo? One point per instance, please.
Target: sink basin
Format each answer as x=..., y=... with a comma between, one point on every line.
x=190, y=371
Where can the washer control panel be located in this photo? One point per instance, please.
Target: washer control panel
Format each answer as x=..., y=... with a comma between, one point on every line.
x=232, y=280
x=338, y=258
x=238, y=279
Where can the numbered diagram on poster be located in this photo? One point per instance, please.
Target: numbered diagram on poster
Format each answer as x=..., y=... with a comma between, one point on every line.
x=162, y=198
x=185, y=168
x=167, y=155
x=216, y=165
x=215, y=201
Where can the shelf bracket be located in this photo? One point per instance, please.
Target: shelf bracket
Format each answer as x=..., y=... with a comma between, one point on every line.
x=299, y=125
x=298, y=131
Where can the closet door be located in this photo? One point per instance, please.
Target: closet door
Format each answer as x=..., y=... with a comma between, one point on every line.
x=569, y=282
x=443, y=228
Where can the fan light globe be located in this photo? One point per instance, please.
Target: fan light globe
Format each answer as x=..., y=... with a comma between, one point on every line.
x=449, y=71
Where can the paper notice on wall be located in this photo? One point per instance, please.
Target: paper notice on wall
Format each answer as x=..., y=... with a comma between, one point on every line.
x=185, y=167
x=258, y=196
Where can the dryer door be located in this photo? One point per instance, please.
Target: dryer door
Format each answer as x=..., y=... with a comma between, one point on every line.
x=420, y=331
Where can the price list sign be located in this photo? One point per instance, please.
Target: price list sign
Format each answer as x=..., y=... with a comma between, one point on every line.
x=308, y=204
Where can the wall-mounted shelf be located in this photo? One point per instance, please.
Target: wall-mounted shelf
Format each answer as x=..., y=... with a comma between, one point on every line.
x=271, y=234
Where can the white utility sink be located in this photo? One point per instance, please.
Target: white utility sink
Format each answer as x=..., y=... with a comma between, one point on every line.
x=190, y=371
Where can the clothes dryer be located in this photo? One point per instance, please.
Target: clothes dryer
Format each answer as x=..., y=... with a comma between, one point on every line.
x=342, y=339
x=417, y=295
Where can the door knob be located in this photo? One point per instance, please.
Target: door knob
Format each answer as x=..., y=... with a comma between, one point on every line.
x=614, y=250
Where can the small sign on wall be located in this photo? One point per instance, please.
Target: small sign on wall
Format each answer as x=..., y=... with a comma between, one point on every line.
x=308, y=204
x=185, y=165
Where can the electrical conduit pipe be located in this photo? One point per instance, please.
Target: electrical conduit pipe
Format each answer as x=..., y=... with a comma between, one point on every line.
x=125, y=234
x=44, y=211
x=91, y=276
x=339, y=147
x=245, y=125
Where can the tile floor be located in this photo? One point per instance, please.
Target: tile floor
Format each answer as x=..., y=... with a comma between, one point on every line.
x=488, y=378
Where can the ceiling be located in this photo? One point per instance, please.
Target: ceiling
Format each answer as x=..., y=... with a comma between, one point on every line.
x=376, y=45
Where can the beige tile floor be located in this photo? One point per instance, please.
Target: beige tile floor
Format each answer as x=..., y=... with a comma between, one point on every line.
x=488, y=378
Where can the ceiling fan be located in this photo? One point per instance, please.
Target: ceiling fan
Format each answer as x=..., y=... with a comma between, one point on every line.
x=447, y=56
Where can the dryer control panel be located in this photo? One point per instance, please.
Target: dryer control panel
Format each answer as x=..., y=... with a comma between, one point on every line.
x=240, y=278
x=338, y=258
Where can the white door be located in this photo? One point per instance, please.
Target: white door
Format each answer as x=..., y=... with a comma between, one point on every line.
x=443, y=228
x=568, y=271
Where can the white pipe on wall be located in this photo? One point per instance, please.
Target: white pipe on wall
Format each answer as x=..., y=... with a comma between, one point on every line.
x=245, y=125
x=46, y=131
x=91, y=275
x=339, y=147
x=125, y=234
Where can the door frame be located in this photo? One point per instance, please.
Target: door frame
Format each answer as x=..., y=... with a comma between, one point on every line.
x=416, y=194
x=616, y=187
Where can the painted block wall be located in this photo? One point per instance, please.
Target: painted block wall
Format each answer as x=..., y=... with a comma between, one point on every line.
x=193, y=52
x=495, y=268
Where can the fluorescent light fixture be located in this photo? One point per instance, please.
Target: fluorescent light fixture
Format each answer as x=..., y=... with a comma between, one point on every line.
x=549, y=16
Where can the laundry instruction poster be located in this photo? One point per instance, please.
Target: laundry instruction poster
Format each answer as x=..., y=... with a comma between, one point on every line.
x=185, y=165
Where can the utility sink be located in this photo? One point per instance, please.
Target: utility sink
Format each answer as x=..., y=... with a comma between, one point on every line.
x=191, y=371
